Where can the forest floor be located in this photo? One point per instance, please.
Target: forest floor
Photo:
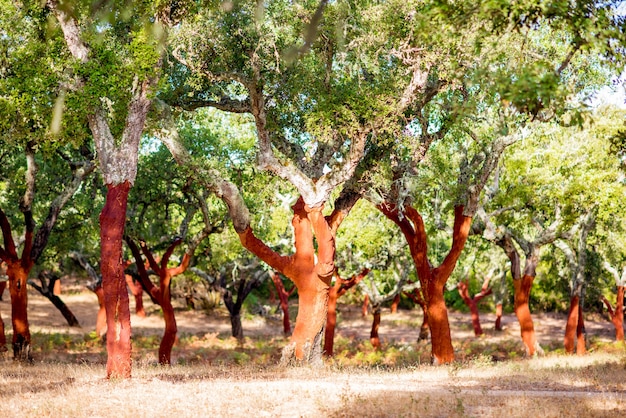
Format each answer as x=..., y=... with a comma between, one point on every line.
x=213, y=375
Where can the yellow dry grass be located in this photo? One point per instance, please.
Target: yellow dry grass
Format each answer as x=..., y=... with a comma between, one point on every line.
x=213, y=376
x=555, y=386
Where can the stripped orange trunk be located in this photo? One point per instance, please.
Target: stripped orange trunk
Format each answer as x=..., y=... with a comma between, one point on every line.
x=498, y=324
x=171, y=329
x=432, y=280
x=572, y=324
x=331, y=319
x=374, y=339
x=101, y=317
x=472, y=303
x=137, y=291
x=311, y=276
x=339, y=289
x=441, y=339
x=522, y=311
x=112, y=221
x=18, y=275
x=617, y=314
x=283, y=296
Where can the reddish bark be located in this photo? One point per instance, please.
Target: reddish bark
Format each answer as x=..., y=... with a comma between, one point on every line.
x=432, y=280
x=394, y=303
x=17, y=270
x=137, y=291
x=416, y=296
x=283, y=296
x=112, y=221
x=498, y=325
x=472, y=303
x=101, y=317
x=617, y=314
x=374, y=339
x=572, y=324
x=161, y=294
x=3, y=285
x=312, y=277
x=365, y=305
x=339, y=289
x=522, y=311
x=581, y=345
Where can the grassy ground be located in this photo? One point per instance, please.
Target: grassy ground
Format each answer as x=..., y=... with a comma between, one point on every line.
x=213, y=375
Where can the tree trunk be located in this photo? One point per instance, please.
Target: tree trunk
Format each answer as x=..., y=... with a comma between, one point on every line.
x=498, y=317
x=310, y=274
x=331, y=320
x=581, y=345
x=617, y=315
x=366, y=302
x=522, y=311
x=471, y=304
x=283, y=296
x=112, y=221
x=235, y=325
x=101, y=317
x=3, y=337
x=374, y=339
x=169, y=335
x=572, y=326
x=19, y=310
x=424, y=329
x=442, y=350
x=137, y=292
x=305, y=343
x=3, y=286
x=47, y=289
x=395, y=303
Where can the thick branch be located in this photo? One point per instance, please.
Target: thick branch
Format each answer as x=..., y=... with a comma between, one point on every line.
x=44, y=231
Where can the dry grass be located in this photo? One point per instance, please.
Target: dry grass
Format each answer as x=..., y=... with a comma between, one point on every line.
x=241, y=385
x=215, y=376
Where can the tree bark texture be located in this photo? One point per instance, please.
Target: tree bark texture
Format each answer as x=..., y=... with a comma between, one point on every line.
x=374, y=338
x=365, y=305
x=137, y=291
x=522, y=311
x=416, y=296
x=310, y=275
x=498, y=324
x=19, y=310
x=472, y=303
x=101, y=316
x=283, y=296
x=161, y=294
x=572, y=326
x=339, y=289
x=432, y=280
x=617, y=314
x=112, y=221
x=394, y=303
